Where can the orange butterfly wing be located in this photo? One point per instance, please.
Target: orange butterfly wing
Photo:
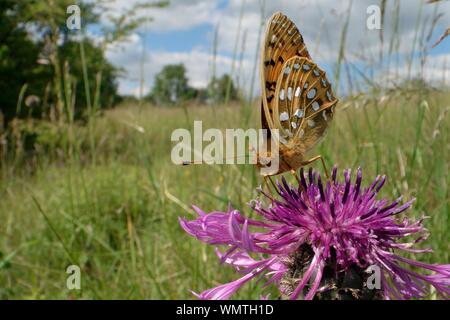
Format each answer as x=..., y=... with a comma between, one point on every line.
x=282, y=42
x=304, y=102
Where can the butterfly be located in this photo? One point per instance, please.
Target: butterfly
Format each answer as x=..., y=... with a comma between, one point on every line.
x=297, y=98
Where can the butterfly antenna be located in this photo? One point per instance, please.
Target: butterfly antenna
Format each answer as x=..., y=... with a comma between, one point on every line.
x=187, y=163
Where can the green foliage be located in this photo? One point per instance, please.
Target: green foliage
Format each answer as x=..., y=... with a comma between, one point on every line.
x=18, y=56
x=218, y=88
x=171, y=85
x=46, y=63
x=123, y=24
x=96, y=63
x=118, y=218
x=31, y=138
x=32, y=64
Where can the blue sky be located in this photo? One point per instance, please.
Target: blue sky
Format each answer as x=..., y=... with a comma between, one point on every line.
x=183, y=33
x=183, y=40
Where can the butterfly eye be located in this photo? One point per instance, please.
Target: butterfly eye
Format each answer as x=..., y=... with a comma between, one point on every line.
x=282, y=94
x=294, y=125
x=324, y=83
x=316, y=73
x=305, y=86
x=287, y=70
x=296, y=66
x=306, y=67
x=329, y=96
x=297, y=92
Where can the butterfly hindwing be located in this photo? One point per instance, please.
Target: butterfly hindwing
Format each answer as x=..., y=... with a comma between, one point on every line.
x=303, y=101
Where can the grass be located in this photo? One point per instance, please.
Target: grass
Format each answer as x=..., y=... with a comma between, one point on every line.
x=117, y=218
x=105, y=195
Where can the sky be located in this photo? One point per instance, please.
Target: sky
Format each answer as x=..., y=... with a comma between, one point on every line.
x=184, y=33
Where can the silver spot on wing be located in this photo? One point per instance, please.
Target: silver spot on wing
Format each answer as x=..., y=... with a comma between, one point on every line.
x=284, y=116
x=311, y=93
x=315, y=105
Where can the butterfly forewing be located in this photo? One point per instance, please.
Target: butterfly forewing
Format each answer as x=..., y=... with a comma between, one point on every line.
x=282, y=42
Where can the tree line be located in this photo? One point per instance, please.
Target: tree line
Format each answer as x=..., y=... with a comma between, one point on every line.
x=40, y=62
x=171, y=86
x=50, y=72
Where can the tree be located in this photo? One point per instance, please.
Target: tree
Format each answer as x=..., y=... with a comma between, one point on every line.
x=32, y=63
x=97, y=63
x=217, y=89
x=55, y=65
x=171, y=85
x=18, y=56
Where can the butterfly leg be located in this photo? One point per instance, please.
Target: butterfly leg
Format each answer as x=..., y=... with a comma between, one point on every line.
x=266, y=184
x=294, y=173
x=319, y=157
x=268, y=179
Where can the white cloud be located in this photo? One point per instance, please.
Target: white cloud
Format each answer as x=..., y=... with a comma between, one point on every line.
x=435, y=71
x=180, y=15
x=324, y=18
x=198, y=64
x=309, y=15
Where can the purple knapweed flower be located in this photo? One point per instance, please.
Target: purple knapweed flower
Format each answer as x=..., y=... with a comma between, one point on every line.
x=319, y=240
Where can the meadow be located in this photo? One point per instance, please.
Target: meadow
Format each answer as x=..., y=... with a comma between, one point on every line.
x=109, y=200
x=102, y=193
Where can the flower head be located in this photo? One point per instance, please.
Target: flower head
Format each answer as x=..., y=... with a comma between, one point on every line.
x=317, y=240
